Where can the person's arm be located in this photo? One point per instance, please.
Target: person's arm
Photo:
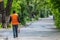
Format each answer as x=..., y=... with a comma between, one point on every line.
x=18, y=19
x=10, y=20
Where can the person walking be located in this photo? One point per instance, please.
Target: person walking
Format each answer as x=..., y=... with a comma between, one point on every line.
x=14, y=20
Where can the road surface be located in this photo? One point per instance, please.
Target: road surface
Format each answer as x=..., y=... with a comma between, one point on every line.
x=42, y=29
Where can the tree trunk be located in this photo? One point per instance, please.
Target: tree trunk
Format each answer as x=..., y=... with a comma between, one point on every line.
x=3, y=13
x=8, y=7
x=8, y=10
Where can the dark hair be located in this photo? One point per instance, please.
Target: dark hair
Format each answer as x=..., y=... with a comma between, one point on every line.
x=14, y=11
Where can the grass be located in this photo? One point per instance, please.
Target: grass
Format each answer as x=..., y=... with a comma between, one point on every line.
x=0, y=25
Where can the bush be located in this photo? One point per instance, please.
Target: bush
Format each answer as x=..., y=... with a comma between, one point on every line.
x=57, y=21
x=57, y=18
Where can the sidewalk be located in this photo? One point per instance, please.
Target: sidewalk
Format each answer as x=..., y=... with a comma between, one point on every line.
x=32, y=38
x=39, y=30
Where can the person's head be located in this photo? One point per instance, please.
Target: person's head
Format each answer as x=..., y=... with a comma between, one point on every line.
x=14, y=12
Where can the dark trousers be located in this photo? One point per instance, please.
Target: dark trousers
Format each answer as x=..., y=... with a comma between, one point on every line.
x=15, y=31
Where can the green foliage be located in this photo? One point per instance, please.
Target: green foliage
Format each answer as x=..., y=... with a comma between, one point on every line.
x=55, y=5
x=29, y=9
x=0, y=25
x=5, y=2
x=16, y=6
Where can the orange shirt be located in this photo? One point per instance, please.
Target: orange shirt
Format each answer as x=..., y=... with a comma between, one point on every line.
x=14, y=19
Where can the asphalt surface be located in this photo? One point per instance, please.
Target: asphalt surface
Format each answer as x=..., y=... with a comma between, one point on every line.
x=42, y=28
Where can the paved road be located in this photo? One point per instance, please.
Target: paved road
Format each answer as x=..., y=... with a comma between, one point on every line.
x=43, y=28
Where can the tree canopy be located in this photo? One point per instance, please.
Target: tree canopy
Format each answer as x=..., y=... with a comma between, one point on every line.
x=28, y=9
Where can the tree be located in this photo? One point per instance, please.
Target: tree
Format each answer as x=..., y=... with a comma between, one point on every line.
x=8, y=7
x=55, y=7
x=26, y=8
x=8, y=10
x=2, y=11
